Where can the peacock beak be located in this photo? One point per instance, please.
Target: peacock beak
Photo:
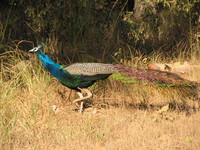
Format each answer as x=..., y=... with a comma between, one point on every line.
x=31, y=51
x=34, y=50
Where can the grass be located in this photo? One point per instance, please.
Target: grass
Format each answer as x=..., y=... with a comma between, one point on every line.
x=124, y=116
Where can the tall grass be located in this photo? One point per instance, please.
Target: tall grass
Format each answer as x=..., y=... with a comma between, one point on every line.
x=28, y=92
x=94, y=31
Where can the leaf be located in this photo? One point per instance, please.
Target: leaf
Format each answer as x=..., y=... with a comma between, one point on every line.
x=188, y=139
x=164, y=109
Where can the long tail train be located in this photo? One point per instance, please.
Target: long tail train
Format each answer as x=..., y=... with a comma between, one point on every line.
x=130, y=74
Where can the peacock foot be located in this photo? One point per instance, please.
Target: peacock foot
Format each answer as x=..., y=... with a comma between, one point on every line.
x=81, y=98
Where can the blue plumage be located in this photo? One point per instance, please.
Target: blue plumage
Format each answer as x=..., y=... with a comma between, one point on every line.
x=75, y=76
x=50, y=65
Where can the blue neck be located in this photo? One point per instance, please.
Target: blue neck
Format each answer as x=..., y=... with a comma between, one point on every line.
x=50, y=65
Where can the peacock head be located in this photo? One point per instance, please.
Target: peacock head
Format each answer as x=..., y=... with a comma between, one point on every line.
x=37, y=49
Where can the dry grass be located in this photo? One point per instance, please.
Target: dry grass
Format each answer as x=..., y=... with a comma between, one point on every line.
x=123, y=116
x=113, y=128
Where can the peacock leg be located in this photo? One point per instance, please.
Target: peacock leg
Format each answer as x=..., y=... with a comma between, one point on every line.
x=80, y=94
x=81, y=98
x=89, y=94
x=81, y=106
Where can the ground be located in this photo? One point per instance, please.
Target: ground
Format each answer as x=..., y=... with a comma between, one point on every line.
x=110, y=129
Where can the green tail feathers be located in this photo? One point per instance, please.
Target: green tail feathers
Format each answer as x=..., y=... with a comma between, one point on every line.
x=124, y=79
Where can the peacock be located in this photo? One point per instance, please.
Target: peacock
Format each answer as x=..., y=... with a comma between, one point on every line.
x=80, y=76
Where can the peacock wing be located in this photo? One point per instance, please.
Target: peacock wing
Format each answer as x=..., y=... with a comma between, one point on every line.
x=91, y=71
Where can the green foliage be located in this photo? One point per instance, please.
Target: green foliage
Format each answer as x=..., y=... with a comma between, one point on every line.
x=162, y=26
